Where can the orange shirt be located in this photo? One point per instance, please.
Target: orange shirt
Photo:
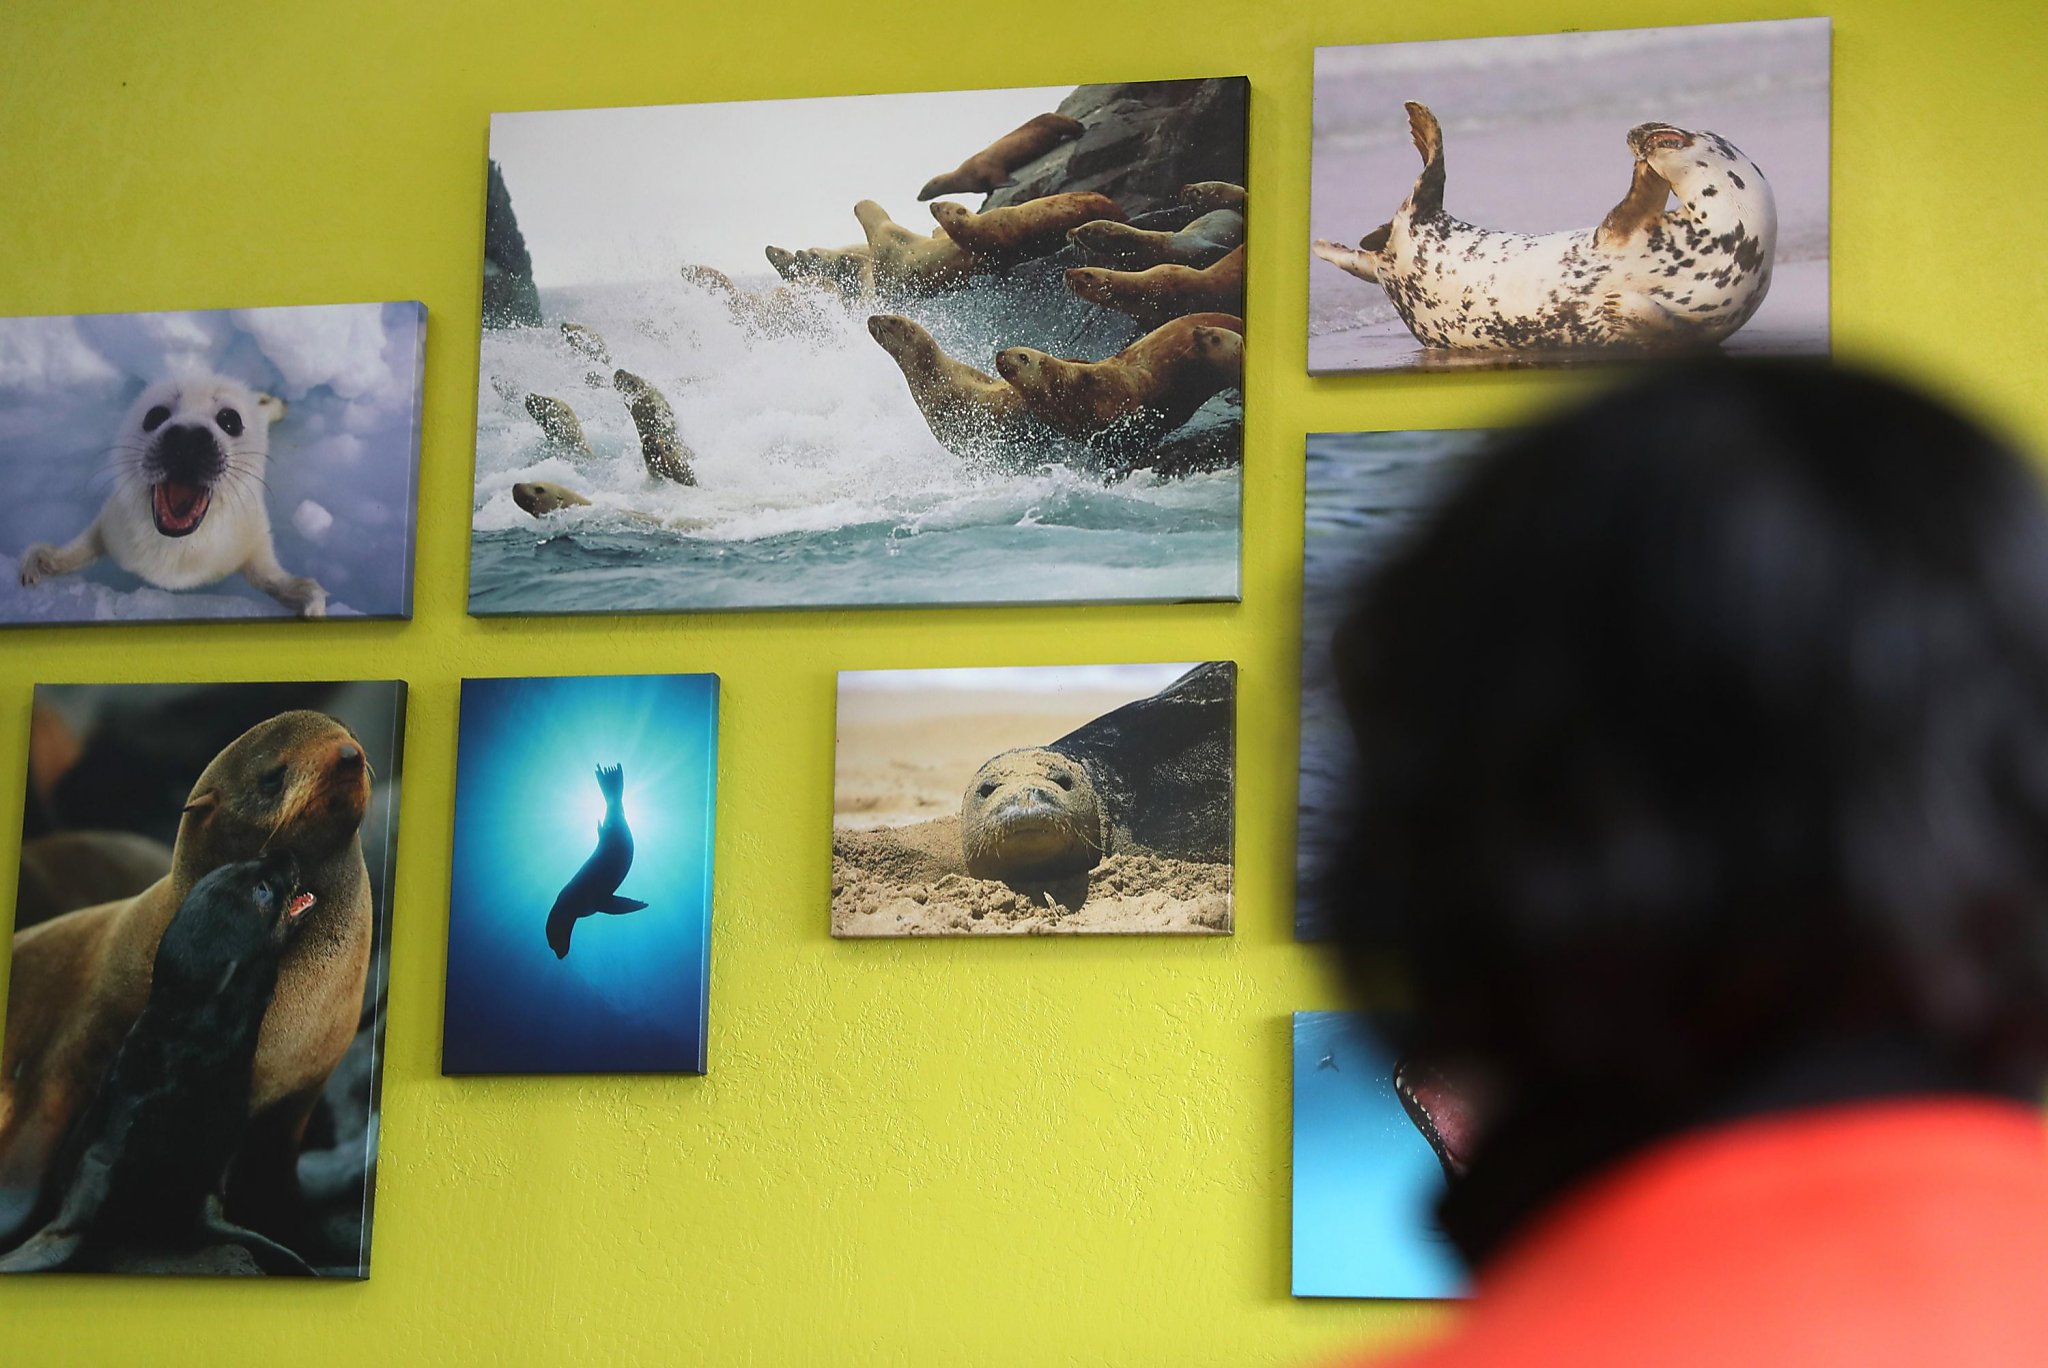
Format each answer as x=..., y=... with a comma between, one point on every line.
x=1904, y=1232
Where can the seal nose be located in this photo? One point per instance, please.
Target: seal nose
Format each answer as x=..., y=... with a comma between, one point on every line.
x=188, y=453
x=348, y=757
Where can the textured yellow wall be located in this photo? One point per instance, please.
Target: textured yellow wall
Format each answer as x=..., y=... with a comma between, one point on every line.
x=932, y=1153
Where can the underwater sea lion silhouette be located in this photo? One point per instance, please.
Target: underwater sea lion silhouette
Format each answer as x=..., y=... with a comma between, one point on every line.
x=595, y=887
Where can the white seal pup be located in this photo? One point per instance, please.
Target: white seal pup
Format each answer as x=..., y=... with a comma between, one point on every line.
x=187, y=505
x=1645, y=278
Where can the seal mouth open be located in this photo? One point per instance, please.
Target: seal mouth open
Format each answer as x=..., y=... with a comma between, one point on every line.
x=300, y=904
x=177, y=508
x=1659, y=138
x=1445, y=1118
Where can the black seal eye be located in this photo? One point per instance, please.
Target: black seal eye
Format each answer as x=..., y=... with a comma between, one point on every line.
x=230, y=422
x=271, y=782
x=1063, y=779
x=986, y=789
x=155, y=418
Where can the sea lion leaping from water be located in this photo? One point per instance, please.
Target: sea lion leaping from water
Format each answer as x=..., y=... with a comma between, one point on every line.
x=990, y=168
x=558, y=422
x=905, y=261
x=1643, y=278
x=1032, y=229
x=660, y=447
x=595, y=886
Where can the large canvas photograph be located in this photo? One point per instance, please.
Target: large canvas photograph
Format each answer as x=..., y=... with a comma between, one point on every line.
x=579, y=907
x=221, y=463
x=192, y=1061
x=1564, y=198
x=969, y=347
x=1035, y=800
x=1364, y=492
x=1376, y=1140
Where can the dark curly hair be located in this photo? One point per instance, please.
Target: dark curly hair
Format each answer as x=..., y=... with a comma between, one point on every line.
x=1706, y=721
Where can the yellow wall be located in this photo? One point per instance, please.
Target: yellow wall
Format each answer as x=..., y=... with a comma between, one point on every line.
x=964, y=1152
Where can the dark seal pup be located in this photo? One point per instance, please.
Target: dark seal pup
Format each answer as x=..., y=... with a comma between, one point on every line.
x=1152, y=776
x=137, y=1184
x=595, y=887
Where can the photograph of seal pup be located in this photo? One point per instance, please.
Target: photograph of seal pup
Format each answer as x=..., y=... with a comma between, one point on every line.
x=1368, y=1172
x=260, y=778
x=600, y=981
x=1121, y=822
x=159, y=477
x=139, y=1183
x=783, y=462
x=1473, y=197
x=594, y=887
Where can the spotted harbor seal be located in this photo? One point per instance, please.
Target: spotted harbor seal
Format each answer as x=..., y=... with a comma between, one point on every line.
x=1644, y=278
x=540, y=498
x=907, y=262
x=1143, y=392
x=595, y=887
x=296, y=783
x=588, y=342
x=663, y=451
x=1152, y=776
x=559, y=424
x=1022, y=231
x=990, y=168
x=1202, y=243
x=139, y=1181
x=1158, y=293
x=187, y=507
x=966, y=409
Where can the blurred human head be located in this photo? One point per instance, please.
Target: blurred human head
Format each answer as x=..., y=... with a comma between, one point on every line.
x=1707, y=722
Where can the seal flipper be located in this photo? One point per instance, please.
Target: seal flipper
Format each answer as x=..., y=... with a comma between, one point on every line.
x=1648, y=193
x=1427, y=198
x=269, y=1255
x=618, y=906
x=1364, y=265
x=49, y=1251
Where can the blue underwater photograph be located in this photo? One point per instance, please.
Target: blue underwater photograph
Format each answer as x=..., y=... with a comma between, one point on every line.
x=1368, y=1170
x=579, y=917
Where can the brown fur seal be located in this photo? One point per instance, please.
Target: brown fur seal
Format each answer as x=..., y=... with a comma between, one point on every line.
x=1206, y=196
x=559, y=422
x=1222, y=350
x=1159, y=293
x=905, y=261
x=964, y=408
x=663, y=451
x=588, y=342
x=540, y=498
x=1150, y=387
x=67, y=870
x=1032, y=229
x=1152, y=776
x=990, y=168
x=1204, y=242
x=296, y=783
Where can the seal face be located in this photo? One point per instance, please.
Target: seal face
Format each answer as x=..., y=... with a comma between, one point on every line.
x=540, y=498
x=1644, y=277
x=1030, y=815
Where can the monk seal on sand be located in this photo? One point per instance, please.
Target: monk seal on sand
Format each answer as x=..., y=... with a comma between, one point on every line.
x=297, y=783
x=138, y=1183
x=1158, y=293
x=1032, y=229
x=990, y=168
x=559, y=423
x=540, y=498
x=965, y=409
x=1202, y=243
x=1143, y=392
x=588, y=342
x=1151, y=776
x=1644, y=278
x=595, y=887
x=905, y=261
x=663, y=451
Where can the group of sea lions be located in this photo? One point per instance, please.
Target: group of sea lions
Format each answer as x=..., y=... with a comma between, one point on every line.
x=1185, y=286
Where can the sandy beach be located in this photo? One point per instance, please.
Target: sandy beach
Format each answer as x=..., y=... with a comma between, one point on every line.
x=905, y=757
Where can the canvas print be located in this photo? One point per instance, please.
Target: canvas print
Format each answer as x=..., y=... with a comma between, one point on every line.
x=973, y=347
x=579, y=909
x=1375, y=1141
x=222, y=463
x=1035, y=800
x=1569, y=197
x=1364, y=491
x=192, y=1061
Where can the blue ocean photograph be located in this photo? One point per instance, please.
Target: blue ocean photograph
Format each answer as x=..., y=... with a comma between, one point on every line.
x=1366, y=1179
x=744, y=355
x=579, y=918
x=215, y=463
x=1365, y=490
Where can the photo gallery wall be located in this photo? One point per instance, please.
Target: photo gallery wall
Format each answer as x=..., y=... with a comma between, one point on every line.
x=994, y=357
